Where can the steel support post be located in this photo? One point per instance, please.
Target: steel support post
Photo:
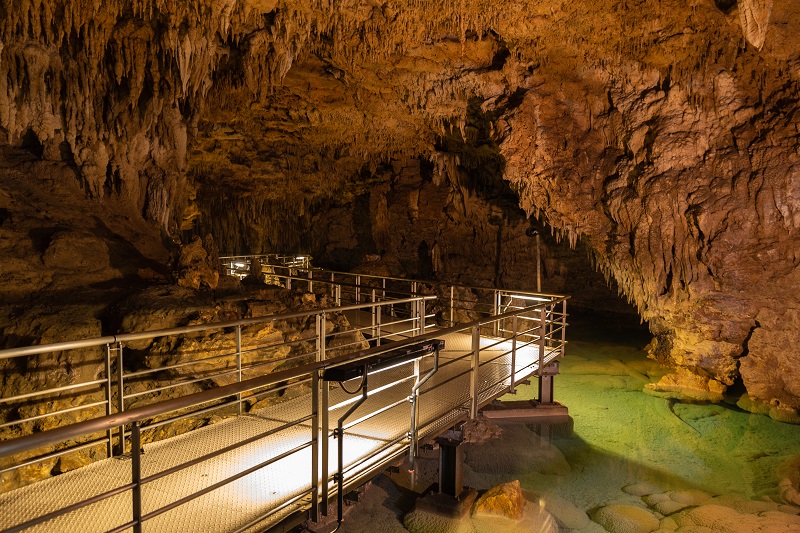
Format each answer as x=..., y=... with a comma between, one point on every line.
x=136, y=476
x=324, y=422
x=452, y=306
x=120, y=396
x=340, y=445
x=563, y=327
x=512, y=386
x=315, y=446
x=473, y=378
x=542, y=339
x=239, y=367
x=495, y=312
x=109, y=432
x=325, y=431
x=373, y=316
x=378, y=326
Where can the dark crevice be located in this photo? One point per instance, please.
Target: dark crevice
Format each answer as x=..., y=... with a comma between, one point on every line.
x=746, y=341
x=667, y=283
x=726, y=6
x=31, y=143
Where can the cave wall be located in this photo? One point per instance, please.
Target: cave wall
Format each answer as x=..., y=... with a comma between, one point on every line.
x=663, y=134
x=421, y=224
x=691, y=202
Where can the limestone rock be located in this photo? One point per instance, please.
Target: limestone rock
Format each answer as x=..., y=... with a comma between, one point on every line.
x=480, y=430
x=504, y=500
x=565, y=513
x=195, y=268
x=716, y=517
x=685, y=384
x=789, y=486
x=642, y=488
x=754, y=15
x=619, y=518
x=673, y=501
x=77, y=251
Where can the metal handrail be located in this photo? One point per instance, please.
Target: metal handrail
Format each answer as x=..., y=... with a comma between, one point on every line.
x=149, y=334
x=412, y=280
x=86, y=427
x=303, y=373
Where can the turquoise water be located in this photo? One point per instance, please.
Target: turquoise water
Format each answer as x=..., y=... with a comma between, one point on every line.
x=623, y=436
x=625, y=445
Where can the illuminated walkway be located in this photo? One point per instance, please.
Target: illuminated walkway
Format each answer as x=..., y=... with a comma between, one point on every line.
x=239, y=505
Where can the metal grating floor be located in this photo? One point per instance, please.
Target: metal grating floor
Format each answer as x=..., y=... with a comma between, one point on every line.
x=241, y=504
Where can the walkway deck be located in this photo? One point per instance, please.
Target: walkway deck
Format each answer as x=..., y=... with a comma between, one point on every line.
x=239, y=505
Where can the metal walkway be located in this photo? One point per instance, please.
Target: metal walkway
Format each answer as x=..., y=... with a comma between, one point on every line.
x=249, y=472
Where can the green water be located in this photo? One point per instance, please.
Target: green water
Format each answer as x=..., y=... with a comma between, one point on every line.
x=622, y=436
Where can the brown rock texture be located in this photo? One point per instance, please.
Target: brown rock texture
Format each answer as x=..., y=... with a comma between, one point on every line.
x=504, y=500
x=662, y=134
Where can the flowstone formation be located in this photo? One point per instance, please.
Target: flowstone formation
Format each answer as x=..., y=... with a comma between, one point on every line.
x=661, y=133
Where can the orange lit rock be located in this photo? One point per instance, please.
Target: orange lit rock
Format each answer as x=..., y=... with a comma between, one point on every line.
x=504, y=500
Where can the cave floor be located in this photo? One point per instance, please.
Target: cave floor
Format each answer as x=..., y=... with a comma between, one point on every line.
x=722, y=465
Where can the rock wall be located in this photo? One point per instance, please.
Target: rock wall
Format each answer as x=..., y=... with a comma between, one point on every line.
x=690, y=201
x=420, y=224
x=663, y=134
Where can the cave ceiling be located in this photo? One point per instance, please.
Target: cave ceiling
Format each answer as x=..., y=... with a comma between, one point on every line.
x=664, y=133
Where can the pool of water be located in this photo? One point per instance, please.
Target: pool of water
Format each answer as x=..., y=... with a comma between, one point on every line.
x=627, y=448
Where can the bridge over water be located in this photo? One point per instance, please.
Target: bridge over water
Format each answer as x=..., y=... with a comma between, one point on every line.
x=275, y=452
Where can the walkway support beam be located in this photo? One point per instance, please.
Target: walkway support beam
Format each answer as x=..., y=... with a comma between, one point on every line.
x=473, y=377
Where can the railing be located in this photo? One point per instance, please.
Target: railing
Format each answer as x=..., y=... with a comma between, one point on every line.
x=454, y=303
x=239, y=265
x=242, y=373
x=483, y=378
x=134, y=368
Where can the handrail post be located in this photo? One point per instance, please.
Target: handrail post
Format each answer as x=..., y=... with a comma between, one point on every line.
x=339, y=434
x=542, y=319
x=325, y=429
x=310, y=280
x=239, y=367
x=358, y=289
x=496, y=311
x=512, y=386
x=109, y=432
x=136, y=476
x=421, y=316
x=473, y=378
x=452, y=305
x=315, y=446
x=378, y=326
x=373, y=315
x=563, y=326
x=120, y=396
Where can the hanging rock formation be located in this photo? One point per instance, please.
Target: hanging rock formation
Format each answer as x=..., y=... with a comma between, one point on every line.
x=650, y=130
